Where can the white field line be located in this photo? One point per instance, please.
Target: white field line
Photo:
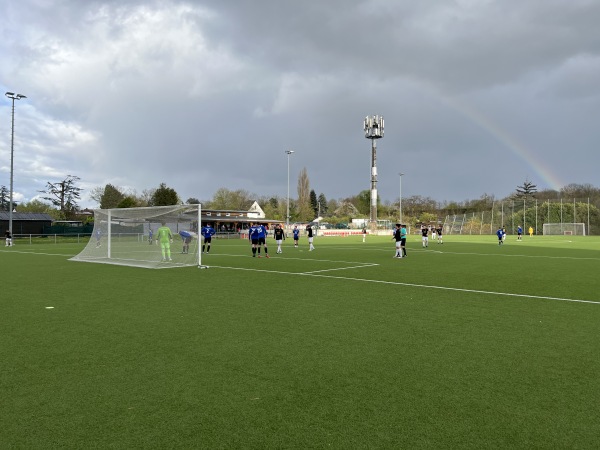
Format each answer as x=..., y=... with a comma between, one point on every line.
x=511, y=256
x=423, y=251
x=424, y=286
x=475, y=291
x=286, y=258
x=338, y=268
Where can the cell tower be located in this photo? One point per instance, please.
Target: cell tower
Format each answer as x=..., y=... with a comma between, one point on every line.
x=373, y=130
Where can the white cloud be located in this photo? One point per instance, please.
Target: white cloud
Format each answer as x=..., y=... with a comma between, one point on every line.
x=201, y=96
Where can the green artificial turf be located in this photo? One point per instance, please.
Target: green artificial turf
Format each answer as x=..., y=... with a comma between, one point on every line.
x=462, y=345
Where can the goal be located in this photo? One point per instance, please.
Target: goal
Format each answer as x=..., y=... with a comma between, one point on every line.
x=128, y=237
x=564, y=228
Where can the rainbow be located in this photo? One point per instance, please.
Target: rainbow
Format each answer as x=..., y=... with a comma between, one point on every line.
x=540, y=168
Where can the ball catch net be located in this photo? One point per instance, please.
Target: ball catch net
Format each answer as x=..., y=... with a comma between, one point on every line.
x=129, y=237
x=569, y=229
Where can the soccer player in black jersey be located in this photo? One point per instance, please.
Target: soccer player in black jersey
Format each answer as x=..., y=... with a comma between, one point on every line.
x=398, y=238
x=424, y=232
x=279, y=236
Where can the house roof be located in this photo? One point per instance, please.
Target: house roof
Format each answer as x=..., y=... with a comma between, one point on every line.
x=5, y=215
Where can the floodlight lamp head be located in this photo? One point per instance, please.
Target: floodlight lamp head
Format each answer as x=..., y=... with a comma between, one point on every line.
x=289, y=152
x=14, y=96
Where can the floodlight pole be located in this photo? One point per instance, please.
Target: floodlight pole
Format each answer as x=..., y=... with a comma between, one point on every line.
x=13, y=97
x=400, y=198
x=287, y=215
x=373, y=126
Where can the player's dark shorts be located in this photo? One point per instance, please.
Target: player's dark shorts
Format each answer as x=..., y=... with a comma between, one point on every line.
x=255, y=241
x=403, y=242
x=261, y=241
x=207, y=239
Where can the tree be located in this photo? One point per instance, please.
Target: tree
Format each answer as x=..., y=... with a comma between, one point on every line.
x=526, y=191
x=363, y=202
x=4, y=198
x=304, y=210
x=36, y=206
x=314, y=203
x=273, y=207
x=127, y=202
x=193, y=201
x=583, y=191
x=164, y=196
x=96, y=194
x=323, y=203
x=346, y=209
x=239, y=200
x=64, y=195
x=146, y=198
x=111, y=197
x=332, y=205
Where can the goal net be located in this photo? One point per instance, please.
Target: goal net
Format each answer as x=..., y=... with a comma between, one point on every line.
x=564, y=228
x=129, y=237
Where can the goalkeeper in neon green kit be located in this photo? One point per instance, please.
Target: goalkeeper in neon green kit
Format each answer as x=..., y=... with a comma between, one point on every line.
x=165, y=238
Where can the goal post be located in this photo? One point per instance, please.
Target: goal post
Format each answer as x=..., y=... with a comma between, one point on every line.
x=129, y=237
x=569, y=229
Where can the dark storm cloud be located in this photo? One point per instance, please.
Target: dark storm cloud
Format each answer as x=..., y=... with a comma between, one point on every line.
x=477, y=95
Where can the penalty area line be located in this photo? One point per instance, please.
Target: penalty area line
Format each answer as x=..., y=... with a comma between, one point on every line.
x=425, y=286
x=337, y=268
x=445, y=288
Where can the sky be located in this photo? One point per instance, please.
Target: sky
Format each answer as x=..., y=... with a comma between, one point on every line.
x=478, y=96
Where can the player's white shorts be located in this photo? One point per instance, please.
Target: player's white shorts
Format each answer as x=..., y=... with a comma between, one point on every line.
x=425, y=239
x=310, y=240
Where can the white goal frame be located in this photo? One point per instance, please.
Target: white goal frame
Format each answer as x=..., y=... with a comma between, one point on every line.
x=121, y=236
x=569, y=229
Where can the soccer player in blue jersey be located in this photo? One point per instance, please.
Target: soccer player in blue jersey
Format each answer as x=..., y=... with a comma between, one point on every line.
x=262, y=240
x=296, y=236
x=519, y=233
x=253, y=233
x=186, y=237
x=207, y=233
x=500, y=235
